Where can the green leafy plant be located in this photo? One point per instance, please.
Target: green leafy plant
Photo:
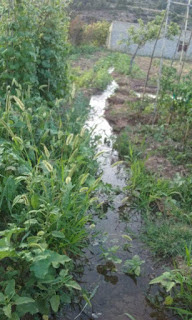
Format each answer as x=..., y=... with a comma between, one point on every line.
x=34, y=47
x=178, y=284
x=148, y=32
x=133, y=266
x=110, y=254
x=96, y=33
x=46, y=190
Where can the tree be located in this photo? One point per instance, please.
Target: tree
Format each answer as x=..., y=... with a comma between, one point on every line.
x=142, y=33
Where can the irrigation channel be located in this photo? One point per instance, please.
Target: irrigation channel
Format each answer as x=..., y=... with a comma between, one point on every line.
x=114, y=292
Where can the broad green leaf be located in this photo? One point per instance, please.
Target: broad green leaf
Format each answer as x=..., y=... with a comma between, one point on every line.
x=58, y=259
x=40, y=268
x=15, y=316
x=64, y=273
x=65, y=298
x=2, y=298
x=35, y=201
x=27, y=308
x=43, y=306
x=10, y=288
x=73, y=284
x=168, y=280
x=168, y=301
x=7, y=310
x=137, y=271
x=58, y=234
x=21, y=199
x=7, y=252
x=55, y=302
x=44, y=260
x=23, y=300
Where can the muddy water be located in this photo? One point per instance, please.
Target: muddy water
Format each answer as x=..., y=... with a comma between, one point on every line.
x=115, y=293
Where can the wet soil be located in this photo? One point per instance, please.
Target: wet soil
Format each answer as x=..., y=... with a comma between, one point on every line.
x=120, y=111
x=115, y=293
x=125, y=110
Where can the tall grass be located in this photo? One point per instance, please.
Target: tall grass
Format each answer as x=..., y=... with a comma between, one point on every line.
x=46, y=188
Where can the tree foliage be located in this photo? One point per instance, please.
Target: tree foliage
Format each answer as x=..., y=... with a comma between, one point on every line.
x=34, y=46
x=142, y=33
x=147, y=32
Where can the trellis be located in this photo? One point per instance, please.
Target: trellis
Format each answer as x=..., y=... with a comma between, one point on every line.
x=163, y=30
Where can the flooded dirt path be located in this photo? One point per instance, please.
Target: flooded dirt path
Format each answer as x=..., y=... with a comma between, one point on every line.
x=114, y=292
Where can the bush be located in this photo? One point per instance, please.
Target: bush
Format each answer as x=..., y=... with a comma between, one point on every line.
x=76, y=30
x=34, y=48
x=96, y=33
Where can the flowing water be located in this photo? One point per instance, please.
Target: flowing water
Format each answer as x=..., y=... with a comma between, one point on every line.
x=114, y=292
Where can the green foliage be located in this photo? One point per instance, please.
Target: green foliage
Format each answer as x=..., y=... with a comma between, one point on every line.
x=166, y=237
x=52, y=67
x=46, y=186
x=98, y=77
x=96, y=33
x=178, y=284
x=18, y=50
x=176, y=92
x=150, y=31
x=125, y=148
x=133, y=266
x=120, y=62
x=165, y=205
x=110, y=255
x=85, y=50
x=34, y=47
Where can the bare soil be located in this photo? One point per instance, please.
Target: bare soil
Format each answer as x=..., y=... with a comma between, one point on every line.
x=122, y=111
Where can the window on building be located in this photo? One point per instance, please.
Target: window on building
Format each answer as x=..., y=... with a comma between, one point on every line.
x=183, y=46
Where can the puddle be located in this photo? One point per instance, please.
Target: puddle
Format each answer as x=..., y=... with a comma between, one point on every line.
x=148, y=95
x=114, y=292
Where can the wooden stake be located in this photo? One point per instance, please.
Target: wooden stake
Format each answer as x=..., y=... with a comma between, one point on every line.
x=161, y=61
x=148, y=73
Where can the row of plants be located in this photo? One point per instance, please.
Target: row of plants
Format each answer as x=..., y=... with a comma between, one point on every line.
x=47, y=171
x=98, y=76
x=47, y=185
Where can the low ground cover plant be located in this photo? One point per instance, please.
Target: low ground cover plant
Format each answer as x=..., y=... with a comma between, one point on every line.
x=98, y=77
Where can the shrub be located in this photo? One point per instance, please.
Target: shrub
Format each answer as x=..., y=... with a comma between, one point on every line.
x=53, y=48
x=34, y=48
x=18, y=51
x=96, y=33
x=76, y=30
